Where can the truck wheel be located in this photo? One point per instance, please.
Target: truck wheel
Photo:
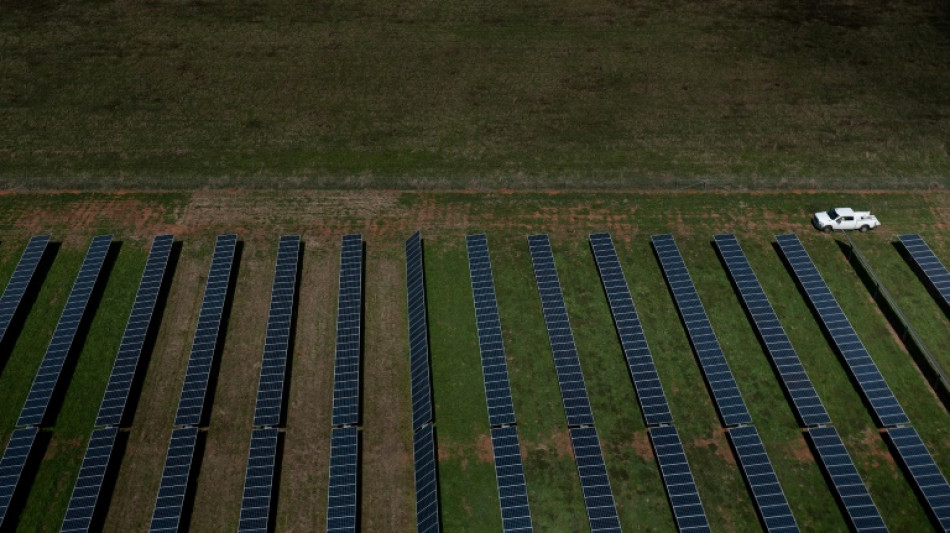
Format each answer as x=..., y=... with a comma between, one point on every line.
x=826, y=229
x=865, y=228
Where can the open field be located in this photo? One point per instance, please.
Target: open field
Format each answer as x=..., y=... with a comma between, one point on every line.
x=475, y=94
x=468, y=495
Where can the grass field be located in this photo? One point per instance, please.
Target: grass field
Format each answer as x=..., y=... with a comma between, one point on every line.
x=468, y=495
x=575, y=94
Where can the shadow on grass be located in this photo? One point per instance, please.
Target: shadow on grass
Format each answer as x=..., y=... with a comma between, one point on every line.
x=222, y=335
x=17, y=322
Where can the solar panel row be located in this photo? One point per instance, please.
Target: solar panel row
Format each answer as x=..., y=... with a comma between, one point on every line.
x=678, y=479
x=34, y=409
x=927, y=261
x=346, y=372
x=418, y=333
x=598, y=497
x=258, y=481
x=270, y=388
x=760, y=476
x=509, y=473
x=166, y=515
x=646, y=381
x=792, y=373
x=426, y=479
x=566, y=362
x=20, y=280
x=872, y=385
x=341, y=498
x=123, y=370
x=82, y=503
x=927, y=478
x=725, y=391
x=848, y=486
x=204, y=345
x=14, y=459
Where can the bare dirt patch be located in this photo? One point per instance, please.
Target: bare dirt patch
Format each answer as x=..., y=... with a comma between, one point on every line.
x=718, y=444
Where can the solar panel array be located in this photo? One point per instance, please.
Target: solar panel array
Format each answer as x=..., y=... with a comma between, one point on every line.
x=568, y=365
x=341, y=499
x=34, y=409
x=509, y=473
x=204, y=345
x=171, y=492
x=646, y=380
x=927, y=261
x=678, y=479
x=846, y=481
x=873, y=387
x=725, y=391
x=270, y=389
x=346, y=372
x=258, y=480
x=82, y=503
x=928, y=479
x=598, y=497
x=123, y=371
x=757, y=469
x=791, y=372
x=427, y=480
x=20, y=281
x=14, y=460
x=418, y=333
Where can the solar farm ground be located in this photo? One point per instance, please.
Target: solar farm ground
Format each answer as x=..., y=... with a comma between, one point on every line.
x=468, y=495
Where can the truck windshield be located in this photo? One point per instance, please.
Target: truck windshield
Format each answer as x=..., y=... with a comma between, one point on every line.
x=832, y=215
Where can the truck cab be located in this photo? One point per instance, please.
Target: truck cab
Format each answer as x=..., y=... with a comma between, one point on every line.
x=844, y=218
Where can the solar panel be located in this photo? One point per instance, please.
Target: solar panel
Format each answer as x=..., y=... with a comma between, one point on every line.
x=341, y=497
x=270, y=389
x=14, y=460
x=598, y=497
x=872, y=385
x=845, y=480
x=509, y=472
x=568, y=365
x=926, y=476
x=760, y=476
x=127, y=359
x=82, y=503
x=258, y=480
x=929, y=264
x=636, y=351
x=678, y=479
x=171, y=492
x=22, y=274
x=778, y=346
x=346, y=370
x=34, y=409
x=427, y=480
x=418, y=333
x=193, y=392
x=501, y=410
x=722, y=384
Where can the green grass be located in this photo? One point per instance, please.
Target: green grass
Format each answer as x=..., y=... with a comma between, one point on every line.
x=474, y=94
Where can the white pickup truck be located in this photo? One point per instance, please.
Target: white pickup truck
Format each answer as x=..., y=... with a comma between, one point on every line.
x=845, y=218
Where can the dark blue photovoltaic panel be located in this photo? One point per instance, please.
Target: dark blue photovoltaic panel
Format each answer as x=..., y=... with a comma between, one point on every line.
x=427, y=480
x=646, y=381
x=930, y=482
x=791, y=372
x=845, y=480
x=509, y=471
x=258, y=481
x=760, y=476
x=12, y=463
x=126, y=361
x=270, y=389
x=82, y=504
x=928, y=263
x=678, y=479
x=193, y=392
x=171, y=491
x=22, y=274
x=598, y=498
x=346, y=369
x=34, y=409
x=501, y=410
x=568, y=365
x=725, y=391
x=341, y=498
x=862, y=368
x=418, y=333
